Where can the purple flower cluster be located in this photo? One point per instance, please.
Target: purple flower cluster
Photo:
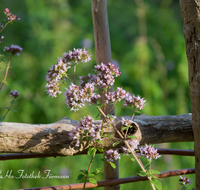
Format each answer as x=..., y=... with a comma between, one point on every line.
x=59, y=71
x=75, y=96
x=134, y=102
x=87, y=79
x=14, y=49
x=184, y=180
x=78, y=55
x=85, y=129
x=54, y=75
x=118, y=95
x=10, y=16
x=126, y=122
x=149, y=152
x=14, y=94
x=106, y=74
x=133, y=144
x=112, y=155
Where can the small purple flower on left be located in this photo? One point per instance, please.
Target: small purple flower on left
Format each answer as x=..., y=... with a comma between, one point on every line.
x=14, y=49
x=14, y=94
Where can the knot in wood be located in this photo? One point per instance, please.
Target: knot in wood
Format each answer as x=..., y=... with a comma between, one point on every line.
x=134, y=130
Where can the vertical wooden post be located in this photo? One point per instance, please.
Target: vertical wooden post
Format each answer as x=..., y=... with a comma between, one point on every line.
x=103, y=55
x=190, y=10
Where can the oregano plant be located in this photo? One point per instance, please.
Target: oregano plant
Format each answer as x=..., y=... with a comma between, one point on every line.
x=80, y=90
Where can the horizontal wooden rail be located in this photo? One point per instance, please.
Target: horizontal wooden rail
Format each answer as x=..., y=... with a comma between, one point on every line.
x=116, y=181
x=54, y=139
x=162, y=151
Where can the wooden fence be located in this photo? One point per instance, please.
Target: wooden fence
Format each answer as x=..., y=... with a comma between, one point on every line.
x=44, y=140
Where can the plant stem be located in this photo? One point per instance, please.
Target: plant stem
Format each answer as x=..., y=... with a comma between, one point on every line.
x=133, y=115
x=70, y=79
x=126, y=143
x=4, y=26
x=6, y=73
x=74, y=74
x=7, y=111
x=88, y=170
x=113, y=106
x=110, y=122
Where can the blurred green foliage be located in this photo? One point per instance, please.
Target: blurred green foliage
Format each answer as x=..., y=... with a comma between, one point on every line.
x=147, y=41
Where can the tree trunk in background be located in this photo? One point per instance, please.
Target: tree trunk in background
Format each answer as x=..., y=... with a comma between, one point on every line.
x=191, y=20
x=103, y=55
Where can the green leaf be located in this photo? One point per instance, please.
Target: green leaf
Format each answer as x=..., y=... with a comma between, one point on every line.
x=108, y=135
x=113, y=165
x=13, y=110
x=110, y=116
x=84, y=172
x=142, y=174
x=93, y=181
x=116, y=143
x=93, y=174
x=99, y=141
x=124, y=128
x=91, y=151
x=5, y=107
x=103, y=159
x=147, y=166
x=134, y=137
x=88, y=138
x=80, y=177
x=157, y=184
x=12, y=102
x=100, y=149
x=133, y=159
x=98, y=170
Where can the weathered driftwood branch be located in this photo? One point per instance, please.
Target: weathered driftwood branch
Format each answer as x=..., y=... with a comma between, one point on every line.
x=53, y=138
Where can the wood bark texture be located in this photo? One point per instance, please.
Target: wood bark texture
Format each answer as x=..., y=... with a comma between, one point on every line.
x=191, y=19
x=54, y=139
x=103, y=55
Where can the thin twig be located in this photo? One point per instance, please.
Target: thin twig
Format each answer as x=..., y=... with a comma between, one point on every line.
x=6, y=72
x=88, y=171
x=4, y=26
x=126, y=143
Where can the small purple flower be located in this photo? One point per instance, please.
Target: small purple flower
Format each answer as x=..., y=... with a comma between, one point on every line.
x=14, y=94
x=10, y=16
x=87, y=79
x=78, y=55
x=14, y=49
x=149, y=152
x=1, y=39
x=133, y=144
x=112, y=155
x=54, y=75
x=6, y=11
x=115, y=96
x=85, y=129
x=184, y=180
x=74, y=97
x=106, y=74
x=134, y=102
